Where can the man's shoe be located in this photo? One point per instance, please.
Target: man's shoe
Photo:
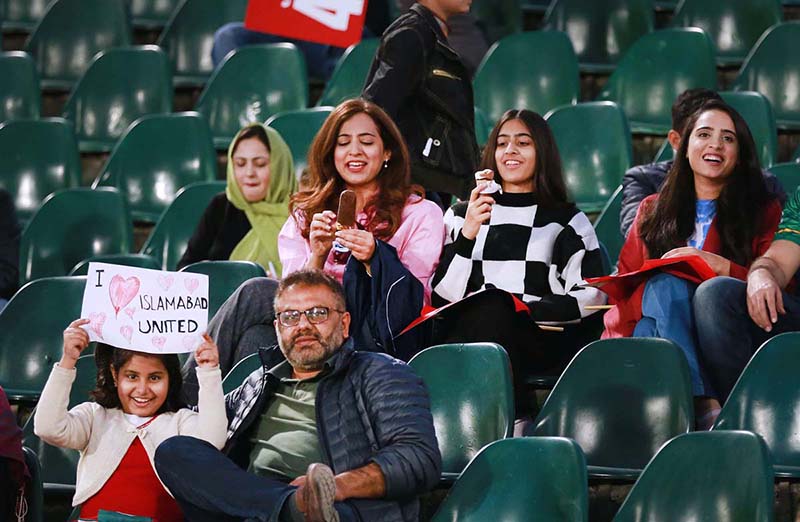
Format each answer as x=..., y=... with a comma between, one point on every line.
x=319, y=494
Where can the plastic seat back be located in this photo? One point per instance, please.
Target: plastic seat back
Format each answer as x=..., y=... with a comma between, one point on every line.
x=607, y=227
x=252, y=84
x=71, y=33
x=704, y=476
x=37, y=158
x=33, y=324
x=763, y=401
x=34, y=493
x=152, y=14
x=120, y=86
x=595, y=147
x=497, y=18
x=224, y=277
x=620, y=400
x=240, y=372
x=772, y=70
x=734, y=26
x=601, y=31
x=189, y=36
x=655, y=70
x=796, y=155
x=19, y=90
x=789, y=176
x=156, y=157
x=492, y=488
x=22, y=15
x=59, y=465
x=507, y=78
x=135, y=260
x=168, y=240
x=299, y=128
x=471, y=398
x=347, y=79
x=70, y=226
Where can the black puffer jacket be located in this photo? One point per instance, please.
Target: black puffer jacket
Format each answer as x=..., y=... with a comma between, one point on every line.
x=419, y=80
x=370, y=408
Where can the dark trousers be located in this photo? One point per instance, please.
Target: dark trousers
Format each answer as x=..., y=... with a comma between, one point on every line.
x=211, y=487
x=727, y=336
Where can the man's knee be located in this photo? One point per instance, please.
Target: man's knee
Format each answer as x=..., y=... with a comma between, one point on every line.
x=720, y=299
x=173, y=454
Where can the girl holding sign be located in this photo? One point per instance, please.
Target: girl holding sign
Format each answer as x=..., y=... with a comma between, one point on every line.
x=137, y=407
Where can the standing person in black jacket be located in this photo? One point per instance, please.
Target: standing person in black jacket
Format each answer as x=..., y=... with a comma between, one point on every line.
x=420, y=81
x=329, y=434
x=9, y=248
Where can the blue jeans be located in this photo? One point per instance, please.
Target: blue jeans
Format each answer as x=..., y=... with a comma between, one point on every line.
x=211, y=487
x=727, y=336
x=667, y=313
x=320, y=59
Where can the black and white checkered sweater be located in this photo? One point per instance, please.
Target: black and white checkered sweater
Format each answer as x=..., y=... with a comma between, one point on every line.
x=538, y=254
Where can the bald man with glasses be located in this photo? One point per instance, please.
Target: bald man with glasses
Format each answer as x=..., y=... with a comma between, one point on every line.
x=329, y=434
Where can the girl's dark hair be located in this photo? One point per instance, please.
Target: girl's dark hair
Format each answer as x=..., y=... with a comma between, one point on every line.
x=105, y=394
x=253, y=131
x=669, y=222
x=548, y=179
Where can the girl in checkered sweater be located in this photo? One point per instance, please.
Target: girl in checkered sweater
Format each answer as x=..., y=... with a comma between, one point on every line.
x=529, y=241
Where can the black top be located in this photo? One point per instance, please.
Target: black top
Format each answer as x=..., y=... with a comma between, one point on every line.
x=220, y=229
x=9, y=246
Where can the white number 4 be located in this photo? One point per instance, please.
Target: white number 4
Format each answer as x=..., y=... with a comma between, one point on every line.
x=333, y=13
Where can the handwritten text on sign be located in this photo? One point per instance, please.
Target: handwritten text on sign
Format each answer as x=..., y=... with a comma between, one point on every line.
x=332, y=22
x=145, y=310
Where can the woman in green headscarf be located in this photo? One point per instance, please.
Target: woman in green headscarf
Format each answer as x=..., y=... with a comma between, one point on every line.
x=243, y=222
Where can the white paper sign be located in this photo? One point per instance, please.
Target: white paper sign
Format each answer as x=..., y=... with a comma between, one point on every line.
x=145, y=310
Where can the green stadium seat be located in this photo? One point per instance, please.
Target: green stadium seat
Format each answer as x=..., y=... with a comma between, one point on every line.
x=542, y=479
x=704, y=476
x=71, y=33
x=654, y=71
x=665, y=5
x=497, y=18
x=733, y=25
x=151, y=14
x=601, y=31
x=189, y=36
x=772, y=68
x=607, y=227
x=507, y=77
x=59, y=465
x=30, y=170
x=471, y=398
x=135, y=260
x=120, y=86
x=19, y=91
x=788, y=174
x=224, y=277
x=34, y=493
x=156, y=157
x=33, y=324
x=796, y=155
x=347, y=79
x=70, y=226
x=535, y=6
x=594, y=142
x=252, y=84
x=168, y=240
x=21, y=15
x=482, y=127
x=298, y=129
x=620, y=400
x=763, y=402
x=240, y=371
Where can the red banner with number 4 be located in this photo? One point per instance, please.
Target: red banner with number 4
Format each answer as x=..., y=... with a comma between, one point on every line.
x=332, y=22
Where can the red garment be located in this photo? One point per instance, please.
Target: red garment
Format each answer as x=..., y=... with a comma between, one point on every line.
x=134, y=489
x=11, y=440
x=621, y=320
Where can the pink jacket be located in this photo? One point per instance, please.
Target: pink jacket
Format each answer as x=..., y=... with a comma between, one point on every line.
x=418, y=242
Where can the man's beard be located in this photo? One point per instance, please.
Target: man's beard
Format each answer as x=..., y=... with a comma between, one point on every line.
x=311, y=357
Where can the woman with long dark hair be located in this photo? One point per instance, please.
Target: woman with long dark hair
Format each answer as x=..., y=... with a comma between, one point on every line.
x=713, y=204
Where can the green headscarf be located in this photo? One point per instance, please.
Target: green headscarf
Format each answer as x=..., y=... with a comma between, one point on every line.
x=266, y=217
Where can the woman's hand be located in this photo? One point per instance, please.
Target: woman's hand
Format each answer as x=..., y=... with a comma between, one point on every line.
x=479, y=210
x=76, y=339
x=323, y=225
x=718, y=264
x=360, y=242
x=207, y=354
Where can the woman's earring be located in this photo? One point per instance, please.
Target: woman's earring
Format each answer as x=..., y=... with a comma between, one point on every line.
x=386, y=164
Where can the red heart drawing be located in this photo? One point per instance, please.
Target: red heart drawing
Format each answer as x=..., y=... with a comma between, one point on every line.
x=191, y=284
x=122, y=291
x=191, y=342
x=159, y=342
x=165, y=281
x=127, y=332
x=96, y=321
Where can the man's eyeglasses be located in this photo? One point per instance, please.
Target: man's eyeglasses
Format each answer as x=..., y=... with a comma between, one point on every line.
x=315, y=315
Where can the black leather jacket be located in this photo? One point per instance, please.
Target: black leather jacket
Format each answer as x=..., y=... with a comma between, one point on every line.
x=419, y=80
